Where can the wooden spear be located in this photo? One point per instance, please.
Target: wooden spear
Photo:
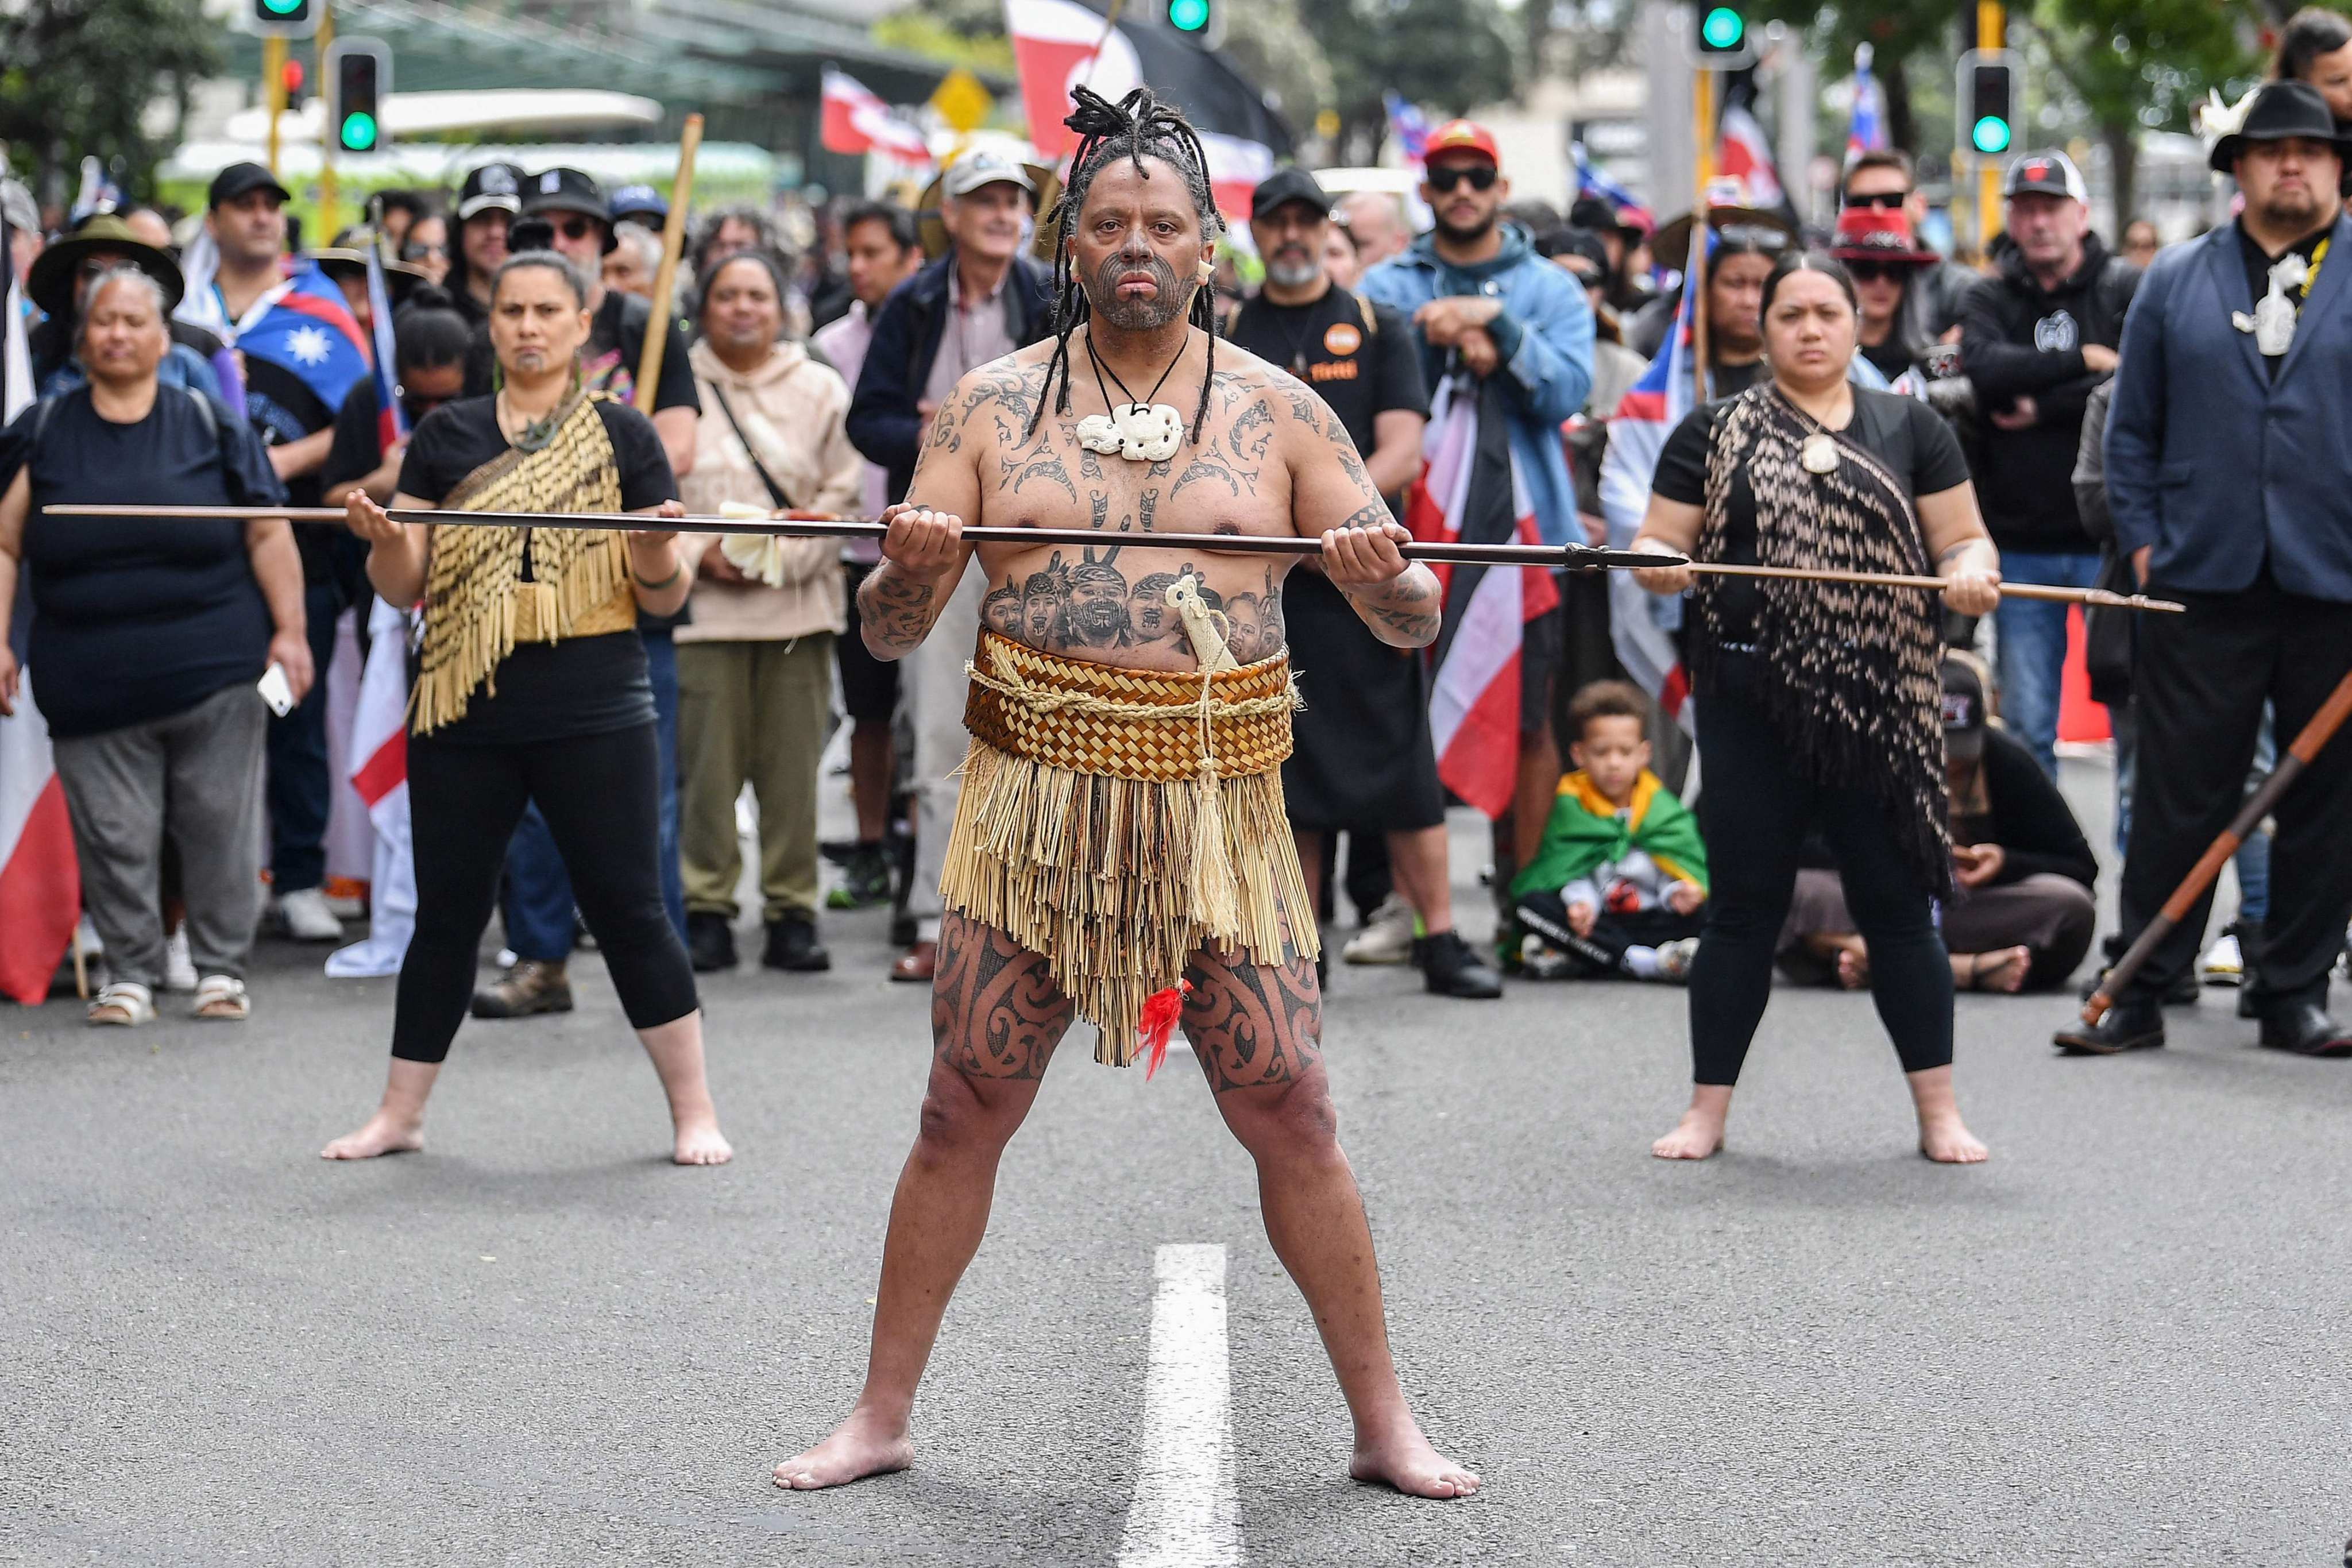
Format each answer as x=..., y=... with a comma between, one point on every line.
x=658, y=330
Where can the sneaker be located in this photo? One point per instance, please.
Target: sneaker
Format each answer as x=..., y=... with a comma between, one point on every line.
x=1452, y=967
x=179, y=966
x=1675, y=959
x=532, y=985
x=865, y=880
x=1387, y=937
x=1538, y=959
x=792, y=946
x=710, y=942
x=305, y=916
x=2224, y=962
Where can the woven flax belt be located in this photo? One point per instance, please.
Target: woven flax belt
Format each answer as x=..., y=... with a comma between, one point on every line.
x=1140, y=724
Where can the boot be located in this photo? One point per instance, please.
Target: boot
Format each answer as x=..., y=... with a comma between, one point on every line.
x=793, y=945
x=710, y=942
x=2129, y=1026
x=531, y=985
x=1452, y=967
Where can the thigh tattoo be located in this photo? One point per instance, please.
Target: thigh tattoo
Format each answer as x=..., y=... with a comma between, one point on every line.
x=1254, y=1025
x=995, y=1010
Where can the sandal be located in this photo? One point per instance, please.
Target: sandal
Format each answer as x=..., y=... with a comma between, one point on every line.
x=222, y=998
x=124, y=1004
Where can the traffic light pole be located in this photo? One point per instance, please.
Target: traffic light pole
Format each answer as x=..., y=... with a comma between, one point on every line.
x=273, y=89
x=1695, y=272
x=1992, y=35
x=326, y=131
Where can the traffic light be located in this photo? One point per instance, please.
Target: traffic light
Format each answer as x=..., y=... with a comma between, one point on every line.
x=1988, y=109
x=1720, y=38
x=359, y=80
x=291, y=76
x=284, y=18
x=1190, y=16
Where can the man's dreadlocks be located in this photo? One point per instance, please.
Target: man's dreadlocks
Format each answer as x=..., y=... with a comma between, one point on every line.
x=1136, y=127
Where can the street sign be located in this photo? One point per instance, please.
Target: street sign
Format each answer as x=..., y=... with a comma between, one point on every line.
x=962, y=101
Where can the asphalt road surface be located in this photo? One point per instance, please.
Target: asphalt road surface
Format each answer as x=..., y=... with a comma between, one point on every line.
x=2121, y=1341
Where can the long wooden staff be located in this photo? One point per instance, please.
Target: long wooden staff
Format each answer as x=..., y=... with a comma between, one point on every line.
x=1571, y=557
x=681, y=191
x=2315, y=734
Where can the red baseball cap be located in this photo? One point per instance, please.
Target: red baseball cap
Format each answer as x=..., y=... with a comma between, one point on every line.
x=1462, y=136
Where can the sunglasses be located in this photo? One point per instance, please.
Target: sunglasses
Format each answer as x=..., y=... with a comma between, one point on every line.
x=1877, y=271
x=1481, y=178
x=1879, y=199
x=575, y=227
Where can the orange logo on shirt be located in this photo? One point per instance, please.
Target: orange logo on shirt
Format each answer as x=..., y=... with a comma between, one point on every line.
x=1343, y=339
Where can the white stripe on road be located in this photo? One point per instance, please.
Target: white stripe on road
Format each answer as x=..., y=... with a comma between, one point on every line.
x=1186, y=1512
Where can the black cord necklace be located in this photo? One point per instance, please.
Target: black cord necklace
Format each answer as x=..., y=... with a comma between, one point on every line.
x=1102, y=370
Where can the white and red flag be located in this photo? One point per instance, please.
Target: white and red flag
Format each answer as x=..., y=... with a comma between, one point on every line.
x=856, y=121
x=378, y=758
x=40, y=880
x=1058, y=44
x=1470, y=491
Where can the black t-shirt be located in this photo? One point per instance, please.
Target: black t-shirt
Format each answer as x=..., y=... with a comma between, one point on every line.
x=136, y=619
x=1889, y=357
x=616, y=346
x=358, y=443
x=1360, y=358
x=545, y=691
x=1902, y=433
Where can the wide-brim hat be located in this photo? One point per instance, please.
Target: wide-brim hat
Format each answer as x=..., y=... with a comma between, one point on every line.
x=2277, y=112
x=1877, y=234
x=50, y=284
x=1672, y=240
x=1046, y=189
x=339, y=263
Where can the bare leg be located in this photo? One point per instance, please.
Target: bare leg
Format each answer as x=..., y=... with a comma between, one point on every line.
x=1942, y=1138
x=996, y=1017
x=1255, y=1030
x=398, y=1125
x=677, y=1050
x=1700, y=1132
x=2002, y=969
x=1419, y=862
x=869, y=778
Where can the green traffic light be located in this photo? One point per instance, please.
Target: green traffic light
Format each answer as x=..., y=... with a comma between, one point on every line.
x=1723, y=28
x=359, y=131
x=1990, y=134
x=283, y=7
x=1187, y=15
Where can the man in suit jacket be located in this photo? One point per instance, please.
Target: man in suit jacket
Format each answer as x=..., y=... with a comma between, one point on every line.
x=2231, y=489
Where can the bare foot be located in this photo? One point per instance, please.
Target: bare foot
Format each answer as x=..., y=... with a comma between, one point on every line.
x=382, y=1136
x=1408, y=1463
x=2003, y=969
x=860, y=1446
x=700, y=1143
x=1695, y=1137
x=1946, y=1142
x=1854, y=966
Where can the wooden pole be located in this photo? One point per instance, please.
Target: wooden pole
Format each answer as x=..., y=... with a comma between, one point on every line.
x=2315, y=735
x=2100, y=596
x=658, y=332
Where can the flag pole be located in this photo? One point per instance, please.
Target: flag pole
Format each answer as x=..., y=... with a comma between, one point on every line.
x=1695, y=273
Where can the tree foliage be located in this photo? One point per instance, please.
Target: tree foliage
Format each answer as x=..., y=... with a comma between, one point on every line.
x=77, y=78
x=1447, y=56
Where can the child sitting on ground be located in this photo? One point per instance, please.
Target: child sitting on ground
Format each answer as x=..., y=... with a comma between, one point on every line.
x=1616, y=887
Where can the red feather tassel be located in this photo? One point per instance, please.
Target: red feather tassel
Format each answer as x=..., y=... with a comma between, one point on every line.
x=1161, y=1011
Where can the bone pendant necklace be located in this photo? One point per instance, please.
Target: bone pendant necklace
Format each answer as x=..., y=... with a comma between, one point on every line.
x=1138, y=430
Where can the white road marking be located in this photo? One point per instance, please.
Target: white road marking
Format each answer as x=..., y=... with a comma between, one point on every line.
x=1187, y=1510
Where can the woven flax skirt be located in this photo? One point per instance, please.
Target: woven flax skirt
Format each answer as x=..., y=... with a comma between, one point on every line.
x=1096, y=829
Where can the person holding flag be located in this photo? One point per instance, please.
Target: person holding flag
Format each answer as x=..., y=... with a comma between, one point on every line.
x=1506, y=339
x=302, y=354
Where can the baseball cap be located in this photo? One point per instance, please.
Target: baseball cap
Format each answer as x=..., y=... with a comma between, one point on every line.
x=1288, y=184
x=241, y=179
x=973, y=170
x=2050, y=173
x=642, y=202
x=1462, y=136
x=1964, y=708
x=562, y=190
x=493, y=185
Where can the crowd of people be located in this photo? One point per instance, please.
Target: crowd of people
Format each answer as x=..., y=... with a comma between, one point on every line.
x=2009, y=424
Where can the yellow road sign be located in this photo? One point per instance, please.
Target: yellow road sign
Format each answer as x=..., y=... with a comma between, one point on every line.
x=963, y=101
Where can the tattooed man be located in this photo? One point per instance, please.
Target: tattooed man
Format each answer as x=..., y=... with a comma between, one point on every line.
x=1259, y=455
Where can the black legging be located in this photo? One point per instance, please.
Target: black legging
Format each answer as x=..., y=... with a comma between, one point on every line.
x=1757, y=811
x=597, y=795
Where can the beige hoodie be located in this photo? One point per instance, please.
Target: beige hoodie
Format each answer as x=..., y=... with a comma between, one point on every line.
x=793, y=409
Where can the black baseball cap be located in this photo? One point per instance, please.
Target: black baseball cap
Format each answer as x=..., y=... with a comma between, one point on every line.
x=1964, y=708
x=241, y=179
x=569, y=191
x=2045, y=173
x=493, y=186
x=1288, y=184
